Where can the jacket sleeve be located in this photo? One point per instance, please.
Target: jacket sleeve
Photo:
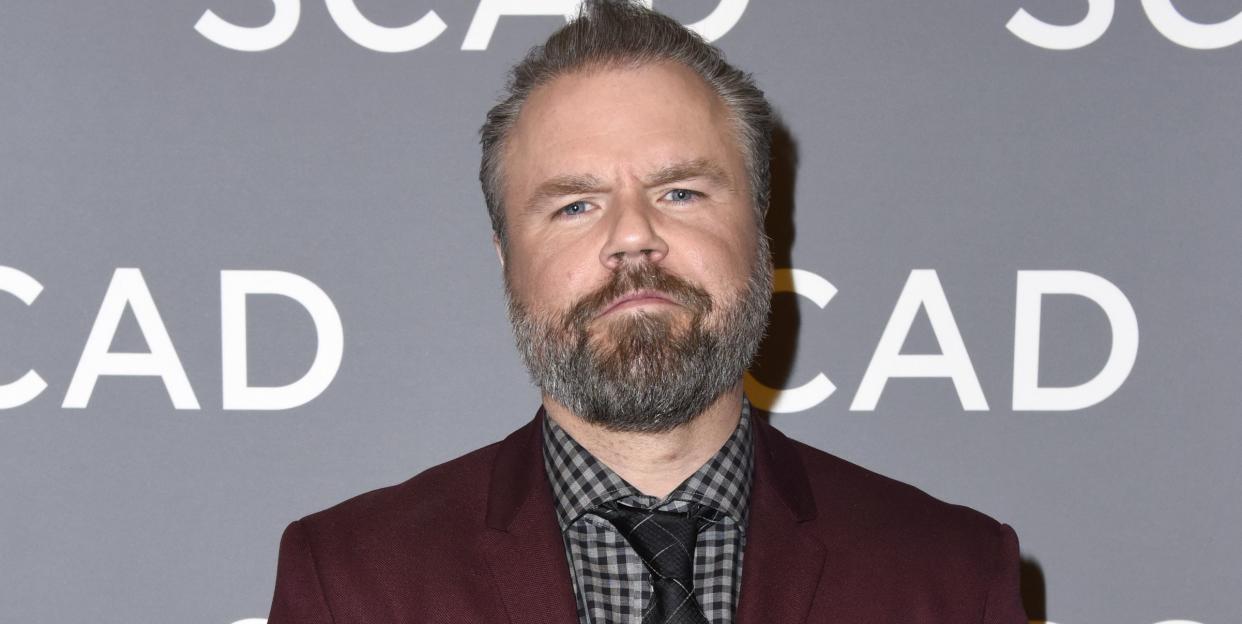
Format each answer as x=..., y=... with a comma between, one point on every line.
x=1004, y=604
x=299, y=597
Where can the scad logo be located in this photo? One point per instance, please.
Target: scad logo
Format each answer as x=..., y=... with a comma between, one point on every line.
x=424, y=30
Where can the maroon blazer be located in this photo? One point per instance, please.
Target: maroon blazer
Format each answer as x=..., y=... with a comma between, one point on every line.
x=476, y=540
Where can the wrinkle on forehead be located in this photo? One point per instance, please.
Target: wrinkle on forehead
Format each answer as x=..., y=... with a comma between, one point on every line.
x=565, y=124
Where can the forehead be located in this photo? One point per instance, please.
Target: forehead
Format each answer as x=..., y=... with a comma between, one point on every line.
x=612, y=121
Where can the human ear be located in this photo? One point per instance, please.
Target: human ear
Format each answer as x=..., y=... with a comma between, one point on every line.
x=500, y=254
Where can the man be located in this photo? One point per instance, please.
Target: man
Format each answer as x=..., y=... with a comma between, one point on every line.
x=626, y=176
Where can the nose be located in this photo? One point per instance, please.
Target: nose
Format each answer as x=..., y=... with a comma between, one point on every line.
x=633, y=235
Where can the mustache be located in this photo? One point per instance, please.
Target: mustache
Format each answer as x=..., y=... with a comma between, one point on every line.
x=632, y=278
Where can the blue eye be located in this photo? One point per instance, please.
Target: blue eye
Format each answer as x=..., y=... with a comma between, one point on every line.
x=574, y=209
x=681, y=195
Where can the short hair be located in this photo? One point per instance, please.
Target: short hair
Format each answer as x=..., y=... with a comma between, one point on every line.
x=622, y=33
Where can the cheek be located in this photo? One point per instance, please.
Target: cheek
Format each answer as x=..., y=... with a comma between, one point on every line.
x=554, y=281
x=721, y=261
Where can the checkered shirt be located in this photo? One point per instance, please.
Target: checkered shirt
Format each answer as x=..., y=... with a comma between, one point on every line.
x=611, y=583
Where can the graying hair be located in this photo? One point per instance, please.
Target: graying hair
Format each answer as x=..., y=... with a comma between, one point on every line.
x=622, y=33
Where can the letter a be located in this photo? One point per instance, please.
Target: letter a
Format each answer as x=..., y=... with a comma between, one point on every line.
x=128, y=288
x=922, y=289
x=488, y=13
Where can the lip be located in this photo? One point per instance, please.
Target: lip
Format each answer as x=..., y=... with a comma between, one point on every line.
x=636, y=298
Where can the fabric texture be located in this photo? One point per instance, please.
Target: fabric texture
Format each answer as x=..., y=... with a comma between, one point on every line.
x=665, y=541
x=611, y=582
x=477, y=540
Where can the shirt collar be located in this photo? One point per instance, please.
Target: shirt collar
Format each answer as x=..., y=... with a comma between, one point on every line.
x=580, y=481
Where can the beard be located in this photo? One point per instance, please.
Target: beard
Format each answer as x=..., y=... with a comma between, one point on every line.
x=645, y=371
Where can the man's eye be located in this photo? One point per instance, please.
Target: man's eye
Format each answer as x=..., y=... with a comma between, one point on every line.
x=681, y=195
x=574, y=209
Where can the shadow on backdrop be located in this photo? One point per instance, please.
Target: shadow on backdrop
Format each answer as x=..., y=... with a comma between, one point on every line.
x=1034, y=596
x=774, y=362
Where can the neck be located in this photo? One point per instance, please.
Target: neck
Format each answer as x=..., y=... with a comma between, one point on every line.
x=656, y=463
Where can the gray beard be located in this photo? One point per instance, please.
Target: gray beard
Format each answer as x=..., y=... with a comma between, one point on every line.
x=648, y=375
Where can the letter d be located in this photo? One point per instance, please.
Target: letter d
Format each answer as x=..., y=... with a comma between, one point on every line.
x=1032, y=286
x=238, y=394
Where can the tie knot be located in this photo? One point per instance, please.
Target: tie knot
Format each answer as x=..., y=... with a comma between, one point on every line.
x=665, y=540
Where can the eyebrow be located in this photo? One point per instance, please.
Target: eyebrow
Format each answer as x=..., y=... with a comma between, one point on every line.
x=561, y=186
x=697, y=168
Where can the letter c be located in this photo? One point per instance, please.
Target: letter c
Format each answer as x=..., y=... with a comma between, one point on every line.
x=1176, y=28
x=372, y=36
x=816, y=391
x=26, y=289
x=721, y=20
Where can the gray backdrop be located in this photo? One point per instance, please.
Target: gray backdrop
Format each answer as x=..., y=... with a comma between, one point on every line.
x=919, y=136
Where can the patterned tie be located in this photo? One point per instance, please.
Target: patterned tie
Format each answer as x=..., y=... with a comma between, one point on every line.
x=665, y=541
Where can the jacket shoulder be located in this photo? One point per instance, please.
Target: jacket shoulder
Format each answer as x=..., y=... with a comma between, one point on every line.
x=446, y=497
x=386, y=555
x=889, y=530
x=876, y=500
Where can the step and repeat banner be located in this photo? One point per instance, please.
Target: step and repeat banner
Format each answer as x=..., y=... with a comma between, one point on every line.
x=246, y=273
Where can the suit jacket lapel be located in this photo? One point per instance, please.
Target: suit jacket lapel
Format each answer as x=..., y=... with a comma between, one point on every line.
x=523, y=546
x=782, y=564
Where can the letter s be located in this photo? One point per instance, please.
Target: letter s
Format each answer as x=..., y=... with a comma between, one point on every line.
x=1053, y=37
x=256, y=39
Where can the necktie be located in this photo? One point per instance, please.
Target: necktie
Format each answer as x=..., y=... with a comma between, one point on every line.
x=665, y=541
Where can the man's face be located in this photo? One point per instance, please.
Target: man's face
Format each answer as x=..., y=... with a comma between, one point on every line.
x=637, y=278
